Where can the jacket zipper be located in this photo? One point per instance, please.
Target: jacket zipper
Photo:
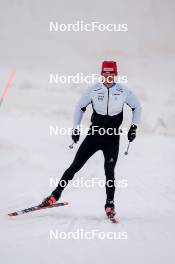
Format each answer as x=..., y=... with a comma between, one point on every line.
x=108, y=102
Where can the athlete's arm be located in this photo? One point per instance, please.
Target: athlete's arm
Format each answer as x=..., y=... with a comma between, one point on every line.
x=80, y=108
x=134, y=103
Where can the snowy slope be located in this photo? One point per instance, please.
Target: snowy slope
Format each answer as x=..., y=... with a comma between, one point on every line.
x=144, y=208
x=30, y=157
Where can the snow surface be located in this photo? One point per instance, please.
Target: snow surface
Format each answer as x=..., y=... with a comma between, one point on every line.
x=30, y=157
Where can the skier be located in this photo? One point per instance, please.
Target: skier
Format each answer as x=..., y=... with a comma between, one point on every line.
x=107, y=99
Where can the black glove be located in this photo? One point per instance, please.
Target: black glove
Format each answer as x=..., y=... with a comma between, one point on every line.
x=132, y=133
x=75, y=135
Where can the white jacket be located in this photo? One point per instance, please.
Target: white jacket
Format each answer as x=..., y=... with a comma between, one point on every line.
x=107, y=102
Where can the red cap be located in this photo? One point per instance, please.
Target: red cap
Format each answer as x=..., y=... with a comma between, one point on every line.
x=109, y=67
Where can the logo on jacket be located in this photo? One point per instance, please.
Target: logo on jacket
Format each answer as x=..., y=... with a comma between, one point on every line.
x=111, y=160
x=100, y=97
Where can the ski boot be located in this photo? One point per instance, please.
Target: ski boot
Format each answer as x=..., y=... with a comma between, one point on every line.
x=110, y=208
x=48, y=201
x=51, y=199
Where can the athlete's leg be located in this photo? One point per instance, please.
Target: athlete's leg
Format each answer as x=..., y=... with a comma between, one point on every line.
x=110, y=152
x=88, y=147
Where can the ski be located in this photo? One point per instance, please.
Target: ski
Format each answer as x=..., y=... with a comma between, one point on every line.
x=36, y=208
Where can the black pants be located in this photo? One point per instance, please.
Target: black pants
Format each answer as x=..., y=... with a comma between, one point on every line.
x=92, y=143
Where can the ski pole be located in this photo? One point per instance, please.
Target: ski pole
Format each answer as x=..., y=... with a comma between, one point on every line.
x=72, y=145
x=126, y=152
